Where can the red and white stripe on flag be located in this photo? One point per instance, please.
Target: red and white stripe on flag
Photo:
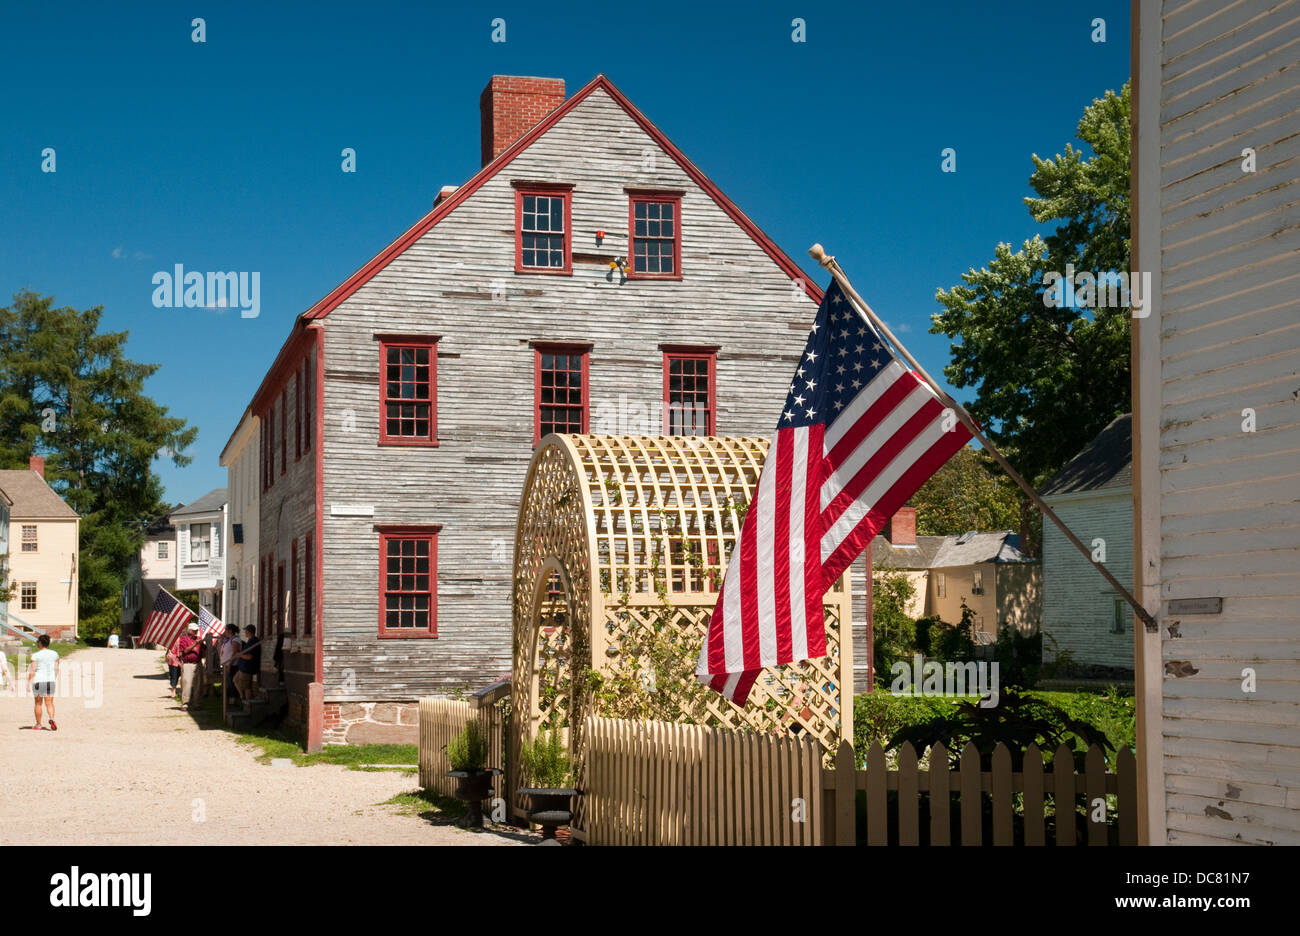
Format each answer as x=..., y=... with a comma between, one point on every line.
x=209, y=624
x=165, y=620
x=859, y=434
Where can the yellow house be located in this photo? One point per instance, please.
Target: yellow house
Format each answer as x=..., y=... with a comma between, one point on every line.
x=44, y=537
x=985, y=571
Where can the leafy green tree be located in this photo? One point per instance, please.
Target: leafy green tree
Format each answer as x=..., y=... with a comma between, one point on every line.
x=68, y=392
x=893, y=632
x=1049, y=379
x=969, y=492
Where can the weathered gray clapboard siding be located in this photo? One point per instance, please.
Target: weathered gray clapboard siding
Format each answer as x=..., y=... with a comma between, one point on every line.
x=1078, y=604
x=287, y=514
x=1229, y=340
x=732, y=295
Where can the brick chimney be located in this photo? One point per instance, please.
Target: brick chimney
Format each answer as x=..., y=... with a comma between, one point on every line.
x=902, y=527
x=37, y=464
x=511, y=106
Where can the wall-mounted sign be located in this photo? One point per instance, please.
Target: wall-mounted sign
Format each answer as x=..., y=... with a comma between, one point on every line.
x=1194, y=606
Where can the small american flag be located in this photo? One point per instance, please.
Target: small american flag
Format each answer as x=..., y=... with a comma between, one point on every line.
x=209, y=624
x=165, y=620
x=859, y=434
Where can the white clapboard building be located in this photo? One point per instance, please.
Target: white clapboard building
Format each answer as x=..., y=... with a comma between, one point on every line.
x=1216, y=422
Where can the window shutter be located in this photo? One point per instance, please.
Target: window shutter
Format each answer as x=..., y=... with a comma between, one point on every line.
x=183, y=543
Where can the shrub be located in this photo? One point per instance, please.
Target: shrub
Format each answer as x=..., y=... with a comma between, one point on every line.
x=1019, y=657
x=544, y=761
x=469, y=749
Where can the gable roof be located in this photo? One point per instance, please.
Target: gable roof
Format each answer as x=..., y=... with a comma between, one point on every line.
x=1105, y=463
x=210, y=502
x=446, y=206
x=945, y=552
x=449, y=204
x=33, y=498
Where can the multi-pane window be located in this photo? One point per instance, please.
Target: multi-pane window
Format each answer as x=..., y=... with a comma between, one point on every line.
x=977, y=582
x=407, y=387
x=408, y=575
x=29, y=537
x=163, y=550
x=656, y=236
x=279, y=599
x=27, y=596
x=689, y=393
x=940, y=585
x=561, y=390
x=542, y=222
x=200, y=542
x=297, y=415
x=308, y=418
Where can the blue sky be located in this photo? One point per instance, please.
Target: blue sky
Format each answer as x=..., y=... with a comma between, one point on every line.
x=225, y=155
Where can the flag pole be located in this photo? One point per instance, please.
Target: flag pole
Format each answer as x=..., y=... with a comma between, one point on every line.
x=819, y=254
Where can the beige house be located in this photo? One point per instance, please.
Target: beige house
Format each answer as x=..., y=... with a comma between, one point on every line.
x=985, y=571
x=44, y=537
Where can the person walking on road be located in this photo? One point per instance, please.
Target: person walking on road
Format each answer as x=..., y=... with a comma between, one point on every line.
x=41, y=678
x=189, y=650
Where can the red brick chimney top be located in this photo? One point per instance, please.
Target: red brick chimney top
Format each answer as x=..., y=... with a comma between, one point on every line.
x=37, y=464
x=511, y=106
x=902, y=527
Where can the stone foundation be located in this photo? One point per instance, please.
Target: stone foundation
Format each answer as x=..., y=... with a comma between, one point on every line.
x=371, y=723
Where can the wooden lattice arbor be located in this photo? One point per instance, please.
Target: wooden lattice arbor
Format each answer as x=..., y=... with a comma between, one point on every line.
x=619, y=554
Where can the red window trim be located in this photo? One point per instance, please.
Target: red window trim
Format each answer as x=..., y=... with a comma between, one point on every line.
x=408, y=341
x=293, y=590
x=650, y=195
x=309, y=586
x=410, y=531
x=297, y=415
x=697, y=353
x=552, y=190
x=306, y=404
x=560, y=347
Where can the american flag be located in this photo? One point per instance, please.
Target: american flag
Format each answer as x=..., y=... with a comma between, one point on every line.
x=165, y=620
x=860, y=432
x=209, y=624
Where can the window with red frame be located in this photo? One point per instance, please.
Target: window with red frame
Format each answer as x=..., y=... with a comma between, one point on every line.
x=408, y=575
x=284, y=430
x=542, y=221
x=263, y=596
x=689, y=407
x=309, y=586
x=408, y=400
x=293, y=589
x=561, y=390
x=656, y=236
x=297, y=415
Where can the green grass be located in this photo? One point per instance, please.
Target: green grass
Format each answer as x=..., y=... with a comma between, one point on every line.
x=426, y=804
x=354, y=756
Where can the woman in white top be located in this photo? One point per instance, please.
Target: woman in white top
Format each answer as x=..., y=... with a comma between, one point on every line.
x=41, y=677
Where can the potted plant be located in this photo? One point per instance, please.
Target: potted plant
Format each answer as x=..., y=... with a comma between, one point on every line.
x=467, y=753
x=548, y=774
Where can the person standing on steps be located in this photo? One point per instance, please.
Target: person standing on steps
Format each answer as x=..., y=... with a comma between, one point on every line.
x=41, y=678
x=248, y=662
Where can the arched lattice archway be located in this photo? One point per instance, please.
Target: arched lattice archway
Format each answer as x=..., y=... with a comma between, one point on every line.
x=619, y=552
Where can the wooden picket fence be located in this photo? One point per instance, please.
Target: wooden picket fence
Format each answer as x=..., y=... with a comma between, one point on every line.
x=661, y=783
x=441, y=720
x=998, y=806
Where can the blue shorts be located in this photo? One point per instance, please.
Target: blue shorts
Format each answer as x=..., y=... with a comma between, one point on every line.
x=42, y=689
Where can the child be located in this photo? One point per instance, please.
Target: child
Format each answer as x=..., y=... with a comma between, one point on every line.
x=41, y=677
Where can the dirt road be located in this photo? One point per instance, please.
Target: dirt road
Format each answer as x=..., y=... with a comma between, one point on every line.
x=128, y=767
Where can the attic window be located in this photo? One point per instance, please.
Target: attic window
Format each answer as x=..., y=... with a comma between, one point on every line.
x=656, y=235
x=543, y=218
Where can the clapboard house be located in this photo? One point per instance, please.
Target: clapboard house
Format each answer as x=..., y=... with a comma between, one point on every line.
x=587, y=278
x=1216, y=421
